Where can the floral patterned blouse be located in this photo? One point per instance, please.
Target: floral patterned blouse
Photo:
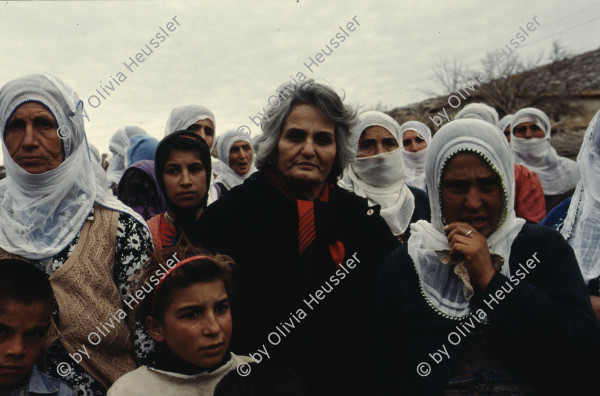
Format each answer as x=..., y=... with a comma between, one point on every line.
x=133, y=242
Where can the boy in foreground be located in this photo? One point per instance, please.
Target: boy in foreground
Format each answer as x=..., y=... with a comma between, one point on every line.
x=25, y=310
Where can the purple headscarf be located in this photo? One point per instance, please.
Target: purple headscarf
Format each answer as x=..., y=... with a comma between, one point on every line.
x=139, y=190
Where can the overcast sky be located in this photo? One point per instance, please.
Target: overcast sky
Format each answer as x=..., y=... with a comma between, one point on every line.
x=230, y=56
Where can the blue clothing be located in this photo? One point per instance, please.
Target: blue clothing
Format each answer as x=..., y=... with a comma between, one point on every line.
x=39, y=383
x=556, y=217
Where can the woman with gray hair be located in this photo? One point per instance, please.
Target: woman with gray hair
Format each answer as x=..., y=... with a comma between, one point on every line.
x=313, y=248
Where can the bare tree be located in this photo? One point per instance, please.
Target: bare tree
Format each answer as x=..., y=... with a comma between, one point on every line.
x=512, y=83
x=450, y=74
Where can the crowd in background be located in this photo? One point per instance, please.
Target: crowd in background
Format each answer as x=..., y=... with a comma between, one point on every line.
x=335, y=253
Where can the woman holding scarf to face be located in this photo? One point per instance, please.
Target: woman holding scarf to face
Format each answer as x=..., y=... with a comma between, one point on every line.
x=378, y=174
x=477, y=300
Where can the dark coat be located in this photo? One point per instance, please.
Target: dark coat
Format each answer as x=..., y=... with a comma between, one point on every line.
x=544, y=325
x=327, y=343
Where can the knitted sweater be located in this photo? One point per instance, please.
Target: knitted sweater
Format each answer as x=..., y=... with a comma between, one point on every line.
x=149, y=381
x=544, y=323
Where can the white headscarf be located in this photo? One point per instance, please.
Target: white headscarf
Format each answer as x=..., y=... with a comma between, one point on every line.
x=99, y=172
x=478, y=111
x=582, y=225
x=183, y=116
x=42, y=213
x=505, y=122
x=380, y=178
x=414, y=163
x=227, y=176
x=441, y=286
x=557, y=174
x=118, y=147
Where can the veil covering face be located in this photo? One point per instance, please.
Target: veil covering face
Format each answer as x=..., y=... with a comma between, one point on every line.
x=41, y=214
x=380, y=178
x=443, y=289
x=557, y=174
x=414, y=163
x=582, y=225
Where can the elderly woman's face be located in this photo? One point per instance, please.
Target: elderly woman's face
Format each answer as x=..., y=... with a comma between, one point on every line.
x=376, y=140
x=240, y=157
x=31, y=138
x=472, y=193
x=306, y=148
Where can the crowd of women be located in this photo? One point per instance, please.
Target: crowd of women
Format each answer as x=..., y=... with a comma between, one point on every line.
x=335, y=254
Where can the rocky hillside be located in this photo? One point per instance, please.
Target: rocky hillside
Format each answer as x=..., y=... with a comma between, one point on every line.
x=568, y=91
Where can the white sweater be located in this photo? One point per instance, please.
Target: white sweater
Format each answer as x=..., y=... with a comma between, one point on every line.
x=146, y=381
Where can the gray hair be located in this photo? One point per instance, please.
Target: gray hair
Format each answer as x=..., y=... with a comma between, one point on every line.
x=328, y=102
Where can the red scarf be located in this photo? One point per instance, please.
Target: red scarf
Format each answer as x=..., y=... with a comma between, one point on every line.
x=306, y=218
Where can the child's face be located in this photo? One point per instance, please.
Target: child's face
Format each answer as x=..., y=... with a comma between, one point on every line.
x=23, y=330
x=197, y=324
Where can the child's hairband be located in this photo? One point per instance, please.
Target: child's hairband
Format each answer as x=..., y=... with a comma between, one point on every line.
x=169, y=271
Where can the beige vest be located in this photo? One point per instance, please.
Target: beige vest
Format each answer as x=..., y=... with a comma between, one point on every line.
x=88, y=302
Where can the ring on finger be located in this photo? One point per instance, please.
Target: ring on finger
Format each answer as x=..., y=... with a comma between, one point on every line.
x=468, y=233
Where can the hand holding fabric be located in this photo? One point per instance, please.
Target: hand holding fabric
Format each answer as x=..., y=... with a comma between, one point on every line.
x=473, y=251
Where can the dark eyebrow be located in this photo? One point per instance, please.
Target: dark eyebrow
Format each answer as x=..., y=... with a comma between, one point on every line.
x=39, y=328
x=172, y=165
x=368, y=140
x=295, y=130
x=201, y=307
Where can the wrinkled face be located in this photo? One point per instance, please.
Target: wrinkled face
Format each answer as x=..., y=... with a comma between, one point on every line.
x=528, y=130
x=376, y=140
x=472, y=193
x=205, y=129
x=412, y=142
x=240, y=157
x=32, y=140
x=197, y=324
x=23, y=329
x=306, y=148
x=184, y=176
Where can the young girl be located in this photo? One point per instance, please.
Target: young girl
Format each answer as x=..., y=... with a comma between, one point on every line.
x=186, y=310
x=183, y=170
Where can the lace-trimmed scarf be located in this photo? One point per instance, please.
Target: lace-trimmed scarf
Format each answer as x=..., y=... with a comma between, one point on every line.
x=441, y=284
